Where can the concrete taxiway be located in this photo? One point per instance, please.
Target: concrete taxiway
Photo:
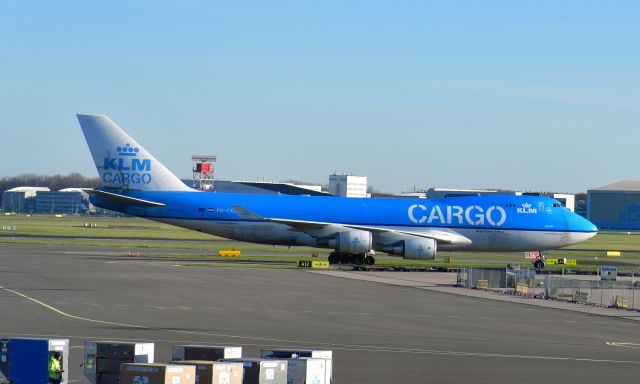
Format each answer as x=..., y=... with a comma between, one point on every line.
x=380, y=333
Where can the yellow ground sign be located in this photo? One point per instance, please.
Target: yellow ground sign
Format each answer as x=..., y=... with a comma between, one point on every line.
x=228, y=253
x=563, y=261
x=614, y=253
x=316, y=264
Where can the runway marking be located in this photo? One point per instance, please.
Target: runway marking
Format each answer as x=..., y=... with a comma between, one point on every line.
x=623, y=345
x=56, y=310
x=341, y=347
x=99, y=253
x=178, y=307
x=336, y=346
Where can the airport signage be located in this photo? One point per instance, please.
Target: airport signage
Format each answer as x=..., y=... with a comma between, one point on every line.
x=315, y=264
x=561, y=261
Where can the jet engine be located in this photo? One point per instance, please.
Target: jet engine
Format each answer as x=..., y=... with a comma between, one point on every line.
x=418, y=249
x=352, y=242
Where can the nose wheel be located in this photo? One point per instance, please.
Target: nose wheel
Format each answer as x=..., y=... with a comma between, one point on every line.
x=538, y=264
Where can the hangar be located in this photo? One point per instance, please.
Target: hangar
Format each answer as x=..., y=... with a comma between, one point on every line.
x=615, y=206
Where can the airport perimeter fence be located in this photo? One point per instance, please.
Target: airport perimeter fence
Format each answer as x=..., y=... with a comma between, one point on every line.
x=482, y=278
x=525, y=282
x=618, y=294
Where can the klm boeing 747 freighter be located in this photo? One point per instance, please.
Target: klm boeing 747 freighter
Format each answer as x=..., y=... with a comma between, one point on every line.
x=137, y=184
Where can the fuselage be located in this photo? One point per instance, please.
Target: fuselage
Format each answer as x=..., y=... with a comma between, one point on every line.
x=490, y=223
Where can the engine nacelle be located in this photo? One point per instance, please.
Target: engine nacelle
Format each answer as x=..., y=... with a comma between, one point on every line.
x=417, y=249
x=353, y=242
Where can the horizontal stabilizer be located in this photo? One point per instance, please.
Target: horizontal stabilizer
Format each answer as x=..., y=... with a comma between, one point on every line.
x=122, y=199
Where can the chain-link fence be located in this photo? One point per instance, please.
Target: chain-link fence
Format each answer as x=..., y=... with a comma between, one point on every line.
x=482, y=278
x=579, y=289
x=619, y=294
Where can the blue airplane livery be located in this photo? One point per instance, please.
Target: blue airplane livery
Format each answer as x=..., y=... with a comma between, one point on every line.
x=137, y=184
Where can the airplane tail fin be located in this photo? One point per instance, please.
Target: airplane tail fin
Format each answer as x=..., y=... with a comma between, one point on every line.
x=121, y=162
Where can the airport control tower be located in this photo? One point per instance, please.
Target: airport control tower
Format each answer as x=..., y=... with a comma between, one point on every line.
x=203, y=172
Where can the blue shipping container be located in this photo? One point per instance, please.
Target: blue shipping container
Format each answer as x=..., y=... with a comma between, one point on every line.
x=29, y=359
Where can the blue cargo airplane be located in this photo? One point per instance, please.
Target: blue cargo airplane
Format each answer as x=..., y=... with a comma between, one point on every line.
x=137, y=184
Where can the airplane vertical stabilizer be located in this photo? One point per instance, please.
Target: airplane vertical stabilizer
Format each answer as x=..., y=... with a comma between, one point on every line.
x=121, y=161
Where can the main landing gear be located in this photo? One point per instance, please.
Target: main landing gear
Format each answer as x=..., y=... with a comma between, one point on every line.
x=350, y=258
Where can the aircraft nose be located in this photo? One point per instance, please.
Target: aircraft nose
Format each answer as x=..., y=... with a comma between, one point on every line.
x=585, y=225
x=578, y=224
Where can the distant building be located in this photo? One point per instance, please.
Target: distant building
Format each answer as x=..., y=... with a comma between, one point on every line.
x=348, y=186
x=267, y=188
x=413, y=195
x=263, y=188
x=58, y=202
x=615, y=206
x=21, y=199
x=443, y=193
x=567, y=200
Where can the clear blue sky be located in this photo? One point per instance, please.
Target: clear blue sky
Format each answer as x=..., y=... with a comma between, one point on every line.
x=532, y=95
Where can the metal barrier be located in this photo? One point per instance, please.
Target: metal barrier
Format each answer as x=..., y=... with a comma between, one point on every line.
x=619, y=294
x=525, y=282
x=482, y=278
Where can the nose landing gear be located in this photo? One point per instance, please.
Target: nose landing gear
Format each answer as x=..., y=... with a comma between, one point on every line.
x=538, y=264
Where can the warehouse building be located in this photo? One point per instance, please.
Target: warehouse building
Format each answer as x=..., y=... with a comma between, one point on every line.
x=60, y=202
x=615, y=206
x=21, y=199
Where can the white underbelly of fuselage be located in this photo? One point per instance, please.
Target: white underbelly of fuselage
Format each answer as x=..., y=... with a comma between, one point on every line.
x=485, y=240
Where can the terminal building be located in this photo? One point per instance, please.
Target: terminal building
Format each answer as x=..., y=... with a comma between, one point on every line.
x=615, y=206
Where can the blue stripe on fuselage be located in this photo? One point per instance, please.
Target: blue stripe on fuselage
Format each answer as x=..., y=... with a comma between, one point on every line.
x=505, y=212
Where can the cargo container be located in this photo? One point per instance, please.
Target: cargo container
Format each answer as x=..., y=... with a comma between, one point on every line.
x=216, y=372
x=102, y=359
x=205, y=352
x=29, y=360
x=263, y=371
x=290, y=353
x=306, y=370
x=157, y=374
x=4, y=360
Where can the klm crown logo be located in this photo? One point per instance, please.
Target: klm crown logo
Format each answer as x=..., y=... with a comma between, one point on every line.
x=127, y=150
x=126, y=168
x=526, y=209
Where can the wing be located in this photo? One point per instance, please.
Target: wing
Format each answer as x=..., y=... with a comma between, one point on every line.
x=320, y=229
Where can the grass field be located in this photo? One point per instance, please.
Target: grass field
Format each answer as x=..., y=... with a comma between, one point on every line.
x=137, y=235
